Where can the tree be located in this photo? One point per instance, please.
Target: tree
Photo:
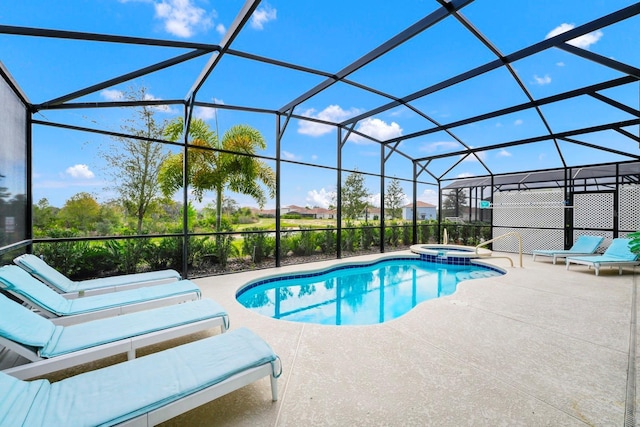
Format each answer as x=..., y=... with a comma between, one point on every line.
x=354, y=195
x=135, y=164
x=218, y=165
x=394, y=199
x=81, y=211
x=454, y=203
x=44, y=215
x=229, y=206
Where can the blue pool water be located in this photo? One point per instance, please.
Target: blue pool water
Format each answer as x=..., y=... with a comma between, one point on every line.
x=357, y=294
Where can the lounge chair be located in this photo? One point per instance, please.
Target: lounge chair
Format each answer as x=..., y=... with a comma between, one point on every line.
x=62, y=284
x=49, y=347
x=33, y=292
x=144, y=391
x=584, y=245
x=617, y=254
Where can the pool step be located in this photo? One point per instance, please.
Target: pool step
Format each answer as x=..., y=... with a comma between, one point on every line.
x=479, y=274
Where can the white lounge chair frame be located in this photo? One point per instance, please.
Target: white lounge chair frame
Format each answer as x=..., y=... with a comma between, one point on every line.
x=45, y=273
x=39, y=366
x=195, y=400
x=98, y=313
x=560, y=253
x=597, y=265
x=255, y=361
x=608, y=259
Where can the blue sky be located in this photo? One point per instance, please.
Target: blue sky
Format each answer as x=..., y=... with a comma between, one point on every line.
x=327, y=36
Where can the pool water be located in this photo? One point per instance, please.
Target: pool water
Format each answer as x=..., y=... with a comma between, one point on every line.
x=357, y=294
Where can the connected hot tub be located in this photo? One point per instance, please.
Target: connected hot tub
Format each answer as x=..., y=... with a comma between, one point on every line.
x=440, y=252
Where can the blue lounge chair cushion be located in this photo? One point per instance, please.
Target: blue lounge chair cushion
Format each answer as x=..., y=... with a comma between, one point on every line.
x=85, y=335
x=19, y=324
x=583, y=245
x=123, y=391
x=618, y=251
x=53, y=277
x=19, y=281
x=23, y=326
x=18, y=397
x=619, y=248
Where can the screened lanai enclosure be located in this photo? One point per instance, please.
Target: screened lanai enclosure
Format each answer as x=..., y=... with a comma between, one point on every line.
x=295, y=138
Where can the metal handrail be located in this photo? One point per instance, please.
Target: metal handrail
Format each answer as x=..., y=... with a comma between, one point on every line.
x=511, y=233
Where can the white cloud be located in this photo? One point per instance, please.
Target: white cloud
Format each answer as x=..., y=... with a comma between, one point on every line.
x=118, y=95
x=542, y=80
x=160, y=108
x=204, y=113
x=398, y=112
x=504, y=153
x=80, y=171
x=261, y=16
x=289, y=156
x=112, y=94
x=207, y=113
x=221, y=29
x=518, y=122
x=323, y=198
x=584, y=41
x=181, y=17
x=429, y=196
x=440, y=146
x=333, y=113
x=374, y=200
x=377, y=129
x=560, y=64
x=562, y=28
x=479, y=155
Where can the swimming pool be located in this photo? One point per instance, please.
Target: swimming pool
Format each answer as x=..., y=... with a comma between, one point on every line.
x=356, y=294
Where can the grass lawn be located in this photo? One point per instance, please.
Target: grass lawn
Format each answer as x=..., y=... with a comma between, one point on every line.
x=270, y=223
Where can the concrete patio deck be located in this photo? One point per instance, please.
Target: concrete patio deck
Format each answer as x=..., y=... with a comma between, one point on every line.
x=538, y=346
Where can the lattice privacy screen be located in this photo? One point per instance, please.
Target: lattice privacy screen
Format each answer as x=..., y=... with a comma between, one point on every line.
x=593, y=210
x=538, y=216
x=629, y=210
x=532, y=238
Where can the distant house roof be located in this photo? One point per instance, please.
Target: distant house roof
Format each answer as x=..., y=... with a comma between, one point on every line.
x=266, y=212
x=420, y=204
x=295, y=208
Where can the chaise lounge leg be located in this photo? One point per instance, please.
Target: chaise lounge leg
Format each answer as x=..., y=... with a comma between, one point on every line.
x=274, y=388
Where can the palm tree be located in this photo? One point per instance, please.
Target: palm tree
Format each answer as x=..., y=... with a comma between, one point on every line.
x=219, y=164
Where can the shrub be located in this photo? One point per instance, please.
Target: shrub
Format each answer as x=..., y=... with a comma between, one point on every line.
x=326, y=240
x=224, y=249
x=304, y=242
x=392, y=235
x=167, y=253
x=425, y=231
x=349, y=238
x=634, y=245
x=76, y=260
x=367, y=236
x=258, y=244
x=127, y=254
x=407, y=237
